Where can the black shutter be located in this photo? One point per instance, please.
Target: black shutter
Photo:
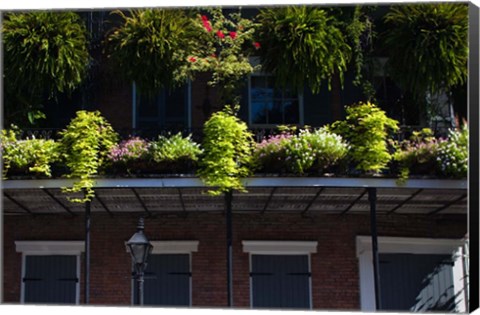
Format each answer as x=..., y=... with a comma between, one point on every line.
x=50, y=279
x=167, y=280
x=280, y=281
x=416, y=282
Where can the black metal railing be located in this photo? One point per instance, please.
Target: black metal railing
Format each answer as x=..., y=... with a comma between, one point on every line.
x=197, y=133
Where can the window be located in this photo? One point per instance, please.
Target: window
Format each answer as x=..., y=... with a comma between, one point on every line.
x=416, y=274
x=270, y=105
x=168, y=274
x=168, y=109
x=280, y=275
x=50, y=271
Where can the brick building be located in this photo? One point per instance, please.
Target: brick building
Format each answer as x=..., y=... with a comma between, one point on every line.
x=296, y=243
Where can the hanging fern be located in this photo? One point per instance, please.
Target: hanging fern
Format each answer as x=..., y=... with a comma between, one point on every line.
x=427, y=46
x=300, y=46
x=151, y=47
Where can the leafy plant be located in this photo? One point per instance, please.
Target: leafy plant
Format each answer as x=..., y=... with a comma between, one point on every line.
x=418, y=155
x=270, y=154
x=28, y=155
x=221, y=50
x=306, y=152
x=174, y=148
x=85, y=145
x=427, y=47
x=300, y=45
x=127, y=155
x=45, y=54
x=227, y=153
x=151, y=47
x=314, y=151
x=366, y=129
x=453, y=153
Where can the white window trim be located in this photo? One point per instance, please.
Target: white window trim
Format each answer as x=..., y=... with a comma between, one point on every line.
x=45, y=248
x=170, y=247
x=281, y=248
x=250, y=123
x=407, y=245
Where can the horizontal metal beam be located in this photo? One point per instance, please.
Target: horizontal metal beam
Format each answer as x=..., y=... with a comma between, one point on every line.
x=194, y=182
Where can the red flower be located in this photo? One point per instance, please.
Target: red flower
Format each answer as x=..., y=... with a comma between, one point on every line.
x=233, y=35
x=206, y=23
x=192, y=59
x=220, y=34
x=257, y=45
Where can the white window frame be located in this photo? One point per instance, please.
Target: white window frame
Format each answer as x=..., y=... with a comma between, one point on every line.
x=170, y=247
x=409, y=245
x=265, y=74
x=281, y=248
x=46, y=248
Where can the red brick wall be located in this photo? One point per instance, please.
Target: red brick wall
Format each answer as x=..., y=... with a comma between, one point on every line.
x=335, y=278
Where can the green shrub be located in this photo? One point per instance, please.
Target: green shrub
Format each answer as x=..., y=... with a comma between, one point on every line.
x=366, y=128
x=452, y=154
x=227, y=154
x=29, y=155
x=84, y=146
x=174, y=148
x=270, y=154
x=417, y=155
x=314, y=151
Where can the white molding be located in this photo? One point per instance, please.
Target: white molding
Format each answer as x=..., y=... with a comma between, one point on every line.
x=172, y=247
x=406, y=245
x=50, y=247
x=45, y=248
x=279, y=247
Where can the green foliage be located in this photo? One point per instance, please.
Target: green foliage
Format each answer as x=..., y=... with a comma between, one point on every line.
x=151, y=47
x=427, y=46
x=174, y=148
x=366, y=129
x=220, y=48
x=32, y=155
x=270, y=155
x=418, y=155
x=308, y=152
x=227, y=153
x=314, y=151
x=85, y=145
x=300, y=45
x=45, y=53
x=453, y=153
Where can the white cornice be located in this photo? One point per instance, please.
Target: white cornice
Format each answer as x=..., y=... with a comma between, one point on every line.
x=280, y=247
x=50, y=247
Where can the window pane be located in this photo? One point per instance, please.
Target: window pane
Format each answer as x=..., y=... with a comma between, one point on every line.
x=275, y=113
x=292, y=112
x=270, y=105
x=280, y=281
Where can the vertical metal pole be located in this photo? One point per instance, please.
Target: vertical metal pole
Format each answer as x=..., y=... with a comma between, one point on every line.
x=372, y=198
x=87, y=252
x=228, y=217
x=140, y=287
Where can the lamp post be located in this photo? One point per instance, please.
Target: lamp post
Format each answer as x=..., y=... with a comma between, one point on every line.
x=140, y=248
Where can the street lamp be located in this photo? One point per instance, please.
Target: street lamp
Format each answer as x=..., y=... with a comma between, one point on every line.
x=140, y=248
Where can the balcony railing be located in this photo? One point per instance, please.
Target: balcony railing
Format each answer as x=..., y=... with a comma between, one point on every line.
x=197, y=133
